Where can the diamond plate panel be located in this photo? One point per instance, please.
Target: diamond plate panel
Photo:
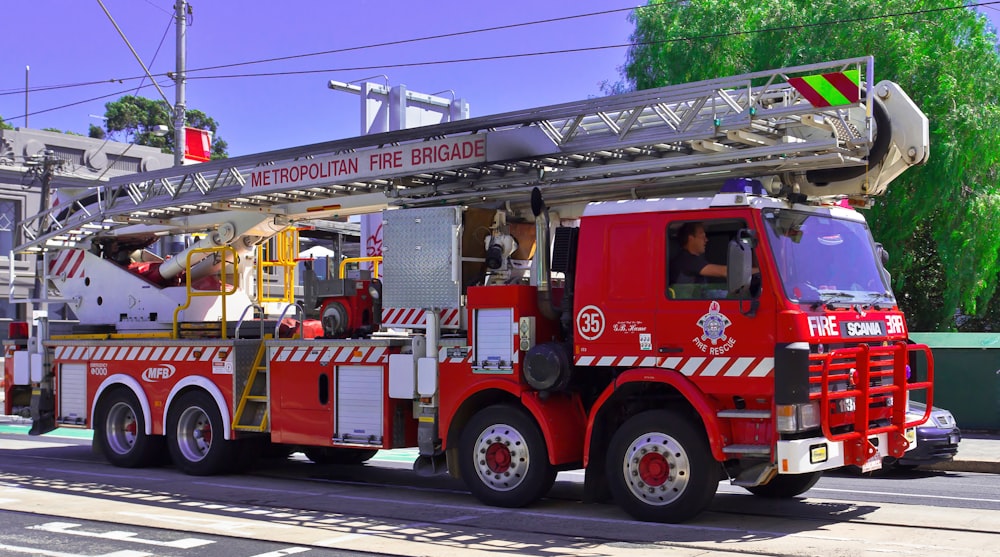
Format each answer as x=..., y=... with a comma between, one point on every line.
x=417, y=258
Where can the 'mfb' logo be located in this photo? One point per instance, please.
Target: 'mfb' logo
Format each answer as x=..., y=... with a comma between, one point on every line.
x=158, y=373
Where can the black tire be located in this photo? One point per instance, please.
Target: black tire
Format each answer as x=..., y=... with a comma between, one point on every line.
x=660, y=468
x=334, y=318
x=339, y=455
x=120, y=432
x=784, y=486
x=503, y=458
x=195, y=436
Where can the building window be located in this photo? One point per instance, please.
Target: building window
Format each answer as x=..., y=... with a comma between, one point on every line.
x=10, y=214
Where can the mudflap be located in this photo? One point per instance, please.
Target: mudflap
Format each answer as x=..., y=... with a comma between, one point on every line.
x=43, y=416
x=431, y=465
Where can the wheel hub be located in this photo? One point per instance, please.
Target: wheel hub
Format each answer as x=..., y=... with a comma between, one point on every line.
x=194, y=435
x=502, y=457
x=498, y=458
x=656, y=468
x=122, y=428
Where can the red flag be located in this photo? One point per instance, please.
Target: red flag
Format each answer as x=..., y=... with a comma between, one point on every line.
x=197, y=144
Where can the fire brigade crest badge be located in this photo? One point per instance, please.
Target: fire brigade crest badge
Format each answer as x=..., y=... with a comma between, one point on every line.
x=713, y=325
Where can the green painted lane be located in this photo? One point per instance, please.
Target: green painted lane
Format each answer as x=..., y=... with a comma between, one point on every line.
x=64, y=432
x=395, y=455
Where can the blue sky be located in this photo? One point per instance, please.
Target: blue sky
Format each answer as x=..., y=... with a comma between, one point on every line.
x=263, y=113
x=73, y=41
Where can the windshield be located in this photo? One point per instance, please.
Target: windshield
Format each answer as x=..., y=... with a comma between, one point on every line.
x=823, y=259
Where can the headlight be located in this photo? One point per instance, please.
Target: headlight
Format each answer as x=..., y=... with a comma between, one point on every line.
x=943, y=420
x=793, y=418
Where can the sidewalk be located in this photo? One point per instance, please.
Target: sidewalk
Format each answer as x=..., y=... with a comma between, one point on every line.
x=977, y=452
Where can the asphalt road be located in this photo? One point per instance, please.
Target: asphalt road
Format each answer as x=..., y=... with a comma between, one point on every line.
x=384, y=508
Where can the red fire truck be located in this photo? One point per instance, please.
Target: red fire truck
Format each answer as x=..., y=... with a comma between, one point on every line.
x=527, y=318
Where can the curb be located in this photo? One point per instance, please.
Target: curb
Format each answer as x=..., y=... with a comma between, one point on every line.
x=977, y=466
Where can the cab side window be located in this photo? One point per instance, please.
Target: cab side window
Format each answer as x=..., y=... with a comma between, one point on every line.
x=696, y=258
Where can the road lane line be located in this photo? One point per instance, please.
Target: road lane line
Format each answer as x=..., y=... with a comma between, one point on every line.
x=914, y=495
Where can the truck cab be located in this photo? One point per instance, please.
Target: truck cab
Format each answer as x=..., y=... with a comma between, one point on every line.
x=773, y=357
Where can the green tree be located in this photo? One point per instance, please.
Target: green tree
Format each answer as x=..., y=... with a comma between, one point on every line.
x=5, y=125
x=937, y=220
x=136, y=117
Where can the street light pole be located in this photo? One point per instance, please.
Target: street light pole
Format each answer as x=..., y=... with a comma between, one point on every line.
x=180, y=78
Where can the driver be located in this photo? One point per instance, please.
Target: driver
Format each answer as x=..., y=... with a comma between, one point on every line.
x=690, y=265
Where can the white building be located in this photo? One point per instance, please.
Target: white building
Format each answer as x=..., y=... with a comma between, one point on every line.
x=88, y=162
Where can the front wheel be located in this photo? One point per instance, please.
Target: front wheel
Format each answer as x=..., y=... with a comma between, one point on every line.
x=120, y=431
x=660, y=468
x=784, y=486
x=195, y=435
x=503, y=458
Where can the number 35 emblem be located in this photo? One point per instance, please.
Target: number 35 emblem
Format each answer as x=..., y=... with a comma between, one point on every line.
x=590, y=322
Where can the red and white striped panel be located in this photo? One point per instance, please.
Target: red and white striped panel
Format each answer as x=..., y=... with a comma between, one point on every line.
x=692, y=367
x=68, y=263
x=137, y=353
x=414, y=318
x=335, y=354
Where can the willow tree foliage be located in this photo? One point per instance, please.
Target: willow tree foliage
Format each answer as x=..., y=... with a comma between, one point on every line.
x=135, y=117
x=938, y=221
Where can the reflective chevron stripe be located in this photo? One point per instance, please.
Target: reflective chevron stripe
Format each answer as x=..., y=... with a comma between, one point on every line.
x=829, y=89
x=692, y=367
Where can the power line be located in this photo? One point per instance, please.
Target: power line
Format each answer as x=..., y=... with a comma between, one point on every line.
x=859, y=19
x=419, y=39
x=341, y=50
x=797, y=27
x=60, y=107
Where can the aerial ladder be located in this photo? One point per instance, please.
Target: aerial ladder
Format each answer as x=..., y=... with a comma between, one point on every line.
x=667, y=141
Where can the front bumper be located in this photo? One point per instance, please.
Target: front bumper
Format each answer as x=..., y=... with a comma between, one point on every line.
x=815, y=454
x=933, y=445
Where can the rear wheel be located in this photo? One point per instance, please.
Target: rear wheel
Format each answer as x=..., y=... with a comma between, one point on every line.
x=195, y=434
x=504, y=461
x=784, y=486
x=339, y=455
x=120, y=431
x=660, y=468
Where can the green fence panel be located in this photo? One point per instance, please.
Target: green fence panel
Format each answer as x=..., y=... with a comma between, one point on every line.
x=966, y=380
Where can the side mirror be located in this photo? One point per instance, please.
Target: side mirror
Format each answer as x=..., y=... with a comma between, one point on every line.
x=883, y=255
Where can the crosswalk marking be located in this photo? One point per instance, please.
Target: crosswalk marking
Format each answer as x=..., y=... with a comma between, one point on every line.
x=71, y=529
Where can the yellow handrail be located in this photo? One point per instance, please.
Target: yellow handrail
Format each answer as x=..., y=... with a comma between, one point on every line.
x=280, y=252
x=223, y=251
x=374, y=260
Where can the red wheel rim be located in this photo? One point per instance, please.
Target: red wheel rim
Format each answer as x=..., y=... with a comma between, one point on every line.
x=654, y=469
x=498, y=458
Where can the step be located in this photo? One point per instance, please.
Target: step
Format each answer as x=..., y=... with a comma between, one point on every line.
x=747, y=449
x=745, y=414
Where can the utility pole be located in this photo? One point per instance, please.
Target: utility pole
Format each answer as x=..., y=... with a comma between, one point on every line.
x=27, y=70
x=181, y=14
x=43, y=168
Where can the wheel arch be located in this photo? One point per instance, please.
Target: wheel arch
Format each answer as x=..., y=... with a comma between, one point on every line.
x=618, y=402
x=557, y=418
x=120, y=380
x=472, y=404
x=200, y=383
